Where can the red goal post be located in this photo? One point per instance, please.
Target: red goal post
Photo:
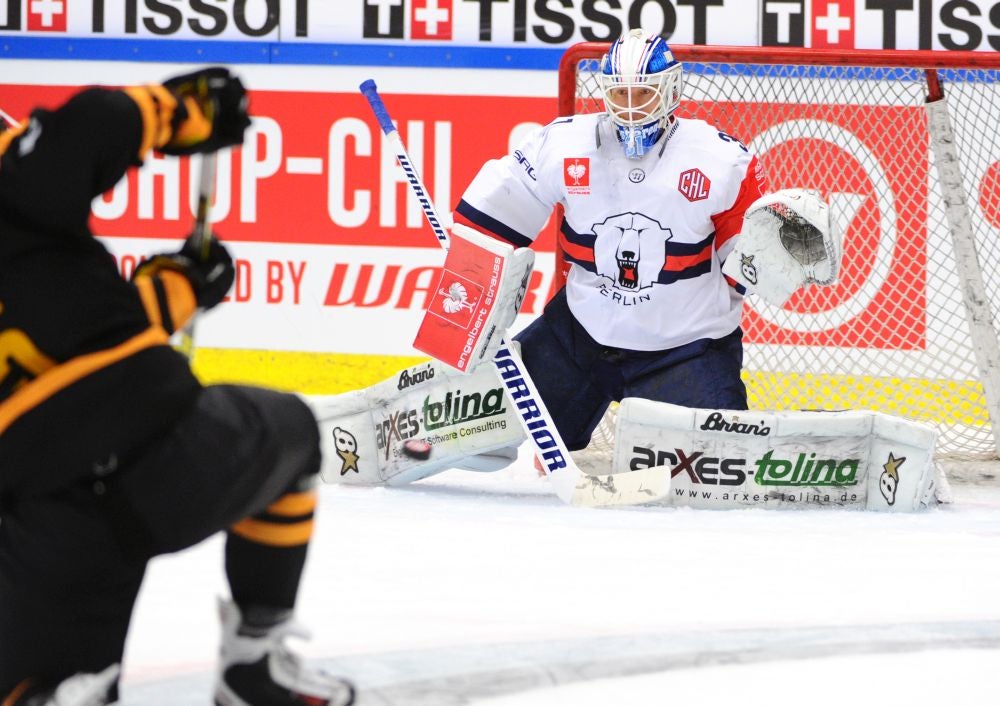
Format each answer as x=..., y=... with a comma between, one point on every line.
x=906, y=147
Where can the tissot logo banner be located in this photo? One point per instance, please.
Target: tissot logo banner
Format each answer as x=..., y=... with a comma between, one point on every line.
x=783, y=23
x=171, y=19
x=383, y=19
x=545, y=22
x=430, y=19
x=833, y=24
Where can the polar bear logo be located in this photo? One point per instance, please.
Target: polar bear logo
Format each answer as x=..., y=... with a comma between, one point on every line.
x=347, y=449
x=629, y=250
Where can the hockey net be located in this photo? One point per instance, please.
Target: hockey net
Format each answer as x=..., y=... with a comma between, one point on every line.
x=911, y=327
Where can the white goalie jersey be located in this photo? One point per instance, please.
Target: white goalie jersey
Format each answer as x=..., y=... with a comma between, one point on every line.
x=645, y=238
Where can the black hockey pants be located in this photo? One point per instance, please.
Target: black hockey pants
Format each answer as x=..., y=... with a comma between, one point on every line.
x=71, y=562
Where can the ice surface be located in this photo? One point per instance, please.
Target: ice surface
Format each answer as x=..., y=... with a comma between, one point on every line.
x=486, y=589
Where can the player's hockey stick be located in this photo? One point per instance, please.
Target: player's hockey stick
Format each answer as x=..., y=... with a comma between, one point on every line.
x=202, y=236
x=7, y=119
x=571, y=484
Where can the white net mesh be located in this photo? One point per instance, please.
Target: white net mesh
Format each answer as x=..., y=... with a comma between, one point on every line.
x=893, y=334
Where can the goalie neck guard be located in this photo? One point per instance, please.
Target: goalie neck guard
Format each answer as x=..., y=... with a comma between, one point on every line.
x=641, y=82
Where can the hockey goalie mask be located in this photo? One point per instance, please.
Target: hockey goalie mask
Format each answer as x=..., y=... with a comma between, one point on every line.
x=641, y=83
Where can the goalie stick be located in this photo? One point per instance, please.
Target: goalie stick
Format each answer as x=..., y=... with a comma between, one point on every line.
x=202, y=236
x=572, y=485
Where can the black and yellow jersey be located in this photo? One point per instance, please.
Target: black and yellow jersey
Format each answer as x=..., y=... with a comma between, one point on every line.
x=87, y=376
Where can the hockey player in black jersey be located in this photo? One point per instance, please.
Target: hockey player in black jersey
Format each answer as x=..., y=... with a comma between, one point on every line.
x=111, y=451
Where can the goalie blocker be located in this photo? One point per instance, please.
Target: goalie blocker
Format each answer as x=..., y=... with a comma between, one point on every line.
x=477, y=299
x=729, y=459
x=368, y=436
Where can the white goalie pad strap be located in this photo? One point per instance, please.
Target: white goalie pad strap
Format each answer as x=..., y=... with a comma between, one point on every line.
x=363, y=432
x=476, y=300
x=787, y=241
x=727, y=459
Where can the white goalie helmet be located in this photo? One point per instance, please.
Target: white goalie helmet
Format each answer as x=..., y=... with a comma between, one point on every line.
x=641, y=83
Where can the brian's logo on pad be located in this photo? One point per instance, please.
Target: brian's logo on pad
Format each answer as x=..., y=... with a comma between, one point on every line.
x=576, y=175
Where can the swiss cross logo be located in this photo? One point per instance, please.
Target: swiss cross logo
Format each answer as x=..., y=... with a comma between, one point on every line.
x=576, y=174
x=694, y=185
x=430, y=19
x=47, y=15
x=833, y=24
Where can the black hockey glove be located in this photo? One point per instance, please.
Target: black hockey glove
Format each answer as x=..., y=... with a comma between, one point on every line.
x=211, y=111
x=210, y=278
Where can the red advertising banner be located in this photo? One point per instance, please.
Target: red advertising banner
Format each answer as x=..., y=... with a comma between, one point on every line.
x=314, y=170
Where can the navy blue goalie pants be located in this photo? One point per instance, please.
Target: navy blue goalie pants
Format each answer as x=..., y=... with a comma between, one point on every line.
x=578, y=378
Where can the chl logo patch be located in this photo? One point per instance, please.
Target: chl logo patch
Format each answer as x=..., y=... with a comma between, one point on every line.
x=576, y=175
x=694, y=185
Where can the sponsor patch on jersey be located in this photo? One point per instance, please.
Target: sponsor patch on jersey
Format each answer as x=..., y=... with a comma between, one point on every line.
x=694, y=185
x=576, y=175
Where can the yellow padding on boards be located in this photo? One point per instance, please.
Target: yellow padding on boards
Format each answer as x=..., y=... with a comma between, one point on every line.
x=947, y=401
x=274, y=534
x=307, y=373
x=955, y=402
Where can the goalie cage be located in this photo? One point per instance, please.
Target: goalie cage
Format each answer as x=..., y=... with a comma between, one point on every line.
x=905, y=146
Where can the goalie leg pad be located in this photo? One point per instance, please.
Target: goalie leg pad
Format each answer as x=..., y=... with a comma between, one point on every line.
x=725, y=459
x=477, y=299
x=364, y=433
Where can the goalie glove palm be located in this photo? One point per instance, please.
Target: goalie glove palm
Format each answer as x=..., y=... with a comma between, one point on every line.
x=787, y=241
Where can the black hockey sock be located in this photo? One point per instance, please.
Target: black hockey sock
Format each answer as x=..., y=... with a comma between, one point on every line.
x=266, y=553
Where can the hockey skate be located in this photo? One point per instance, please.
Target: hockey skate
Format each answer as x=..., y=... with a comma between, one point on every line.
x=78, y=690
x=259, y=670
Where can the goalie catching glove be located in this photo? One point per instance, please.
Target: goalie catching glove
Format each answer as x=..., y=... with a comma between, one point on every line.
x=477, y=299
x=787, y=241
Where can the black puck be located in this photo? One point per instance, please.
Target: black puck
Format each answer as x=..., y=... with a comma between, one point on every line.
x=417, y=448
